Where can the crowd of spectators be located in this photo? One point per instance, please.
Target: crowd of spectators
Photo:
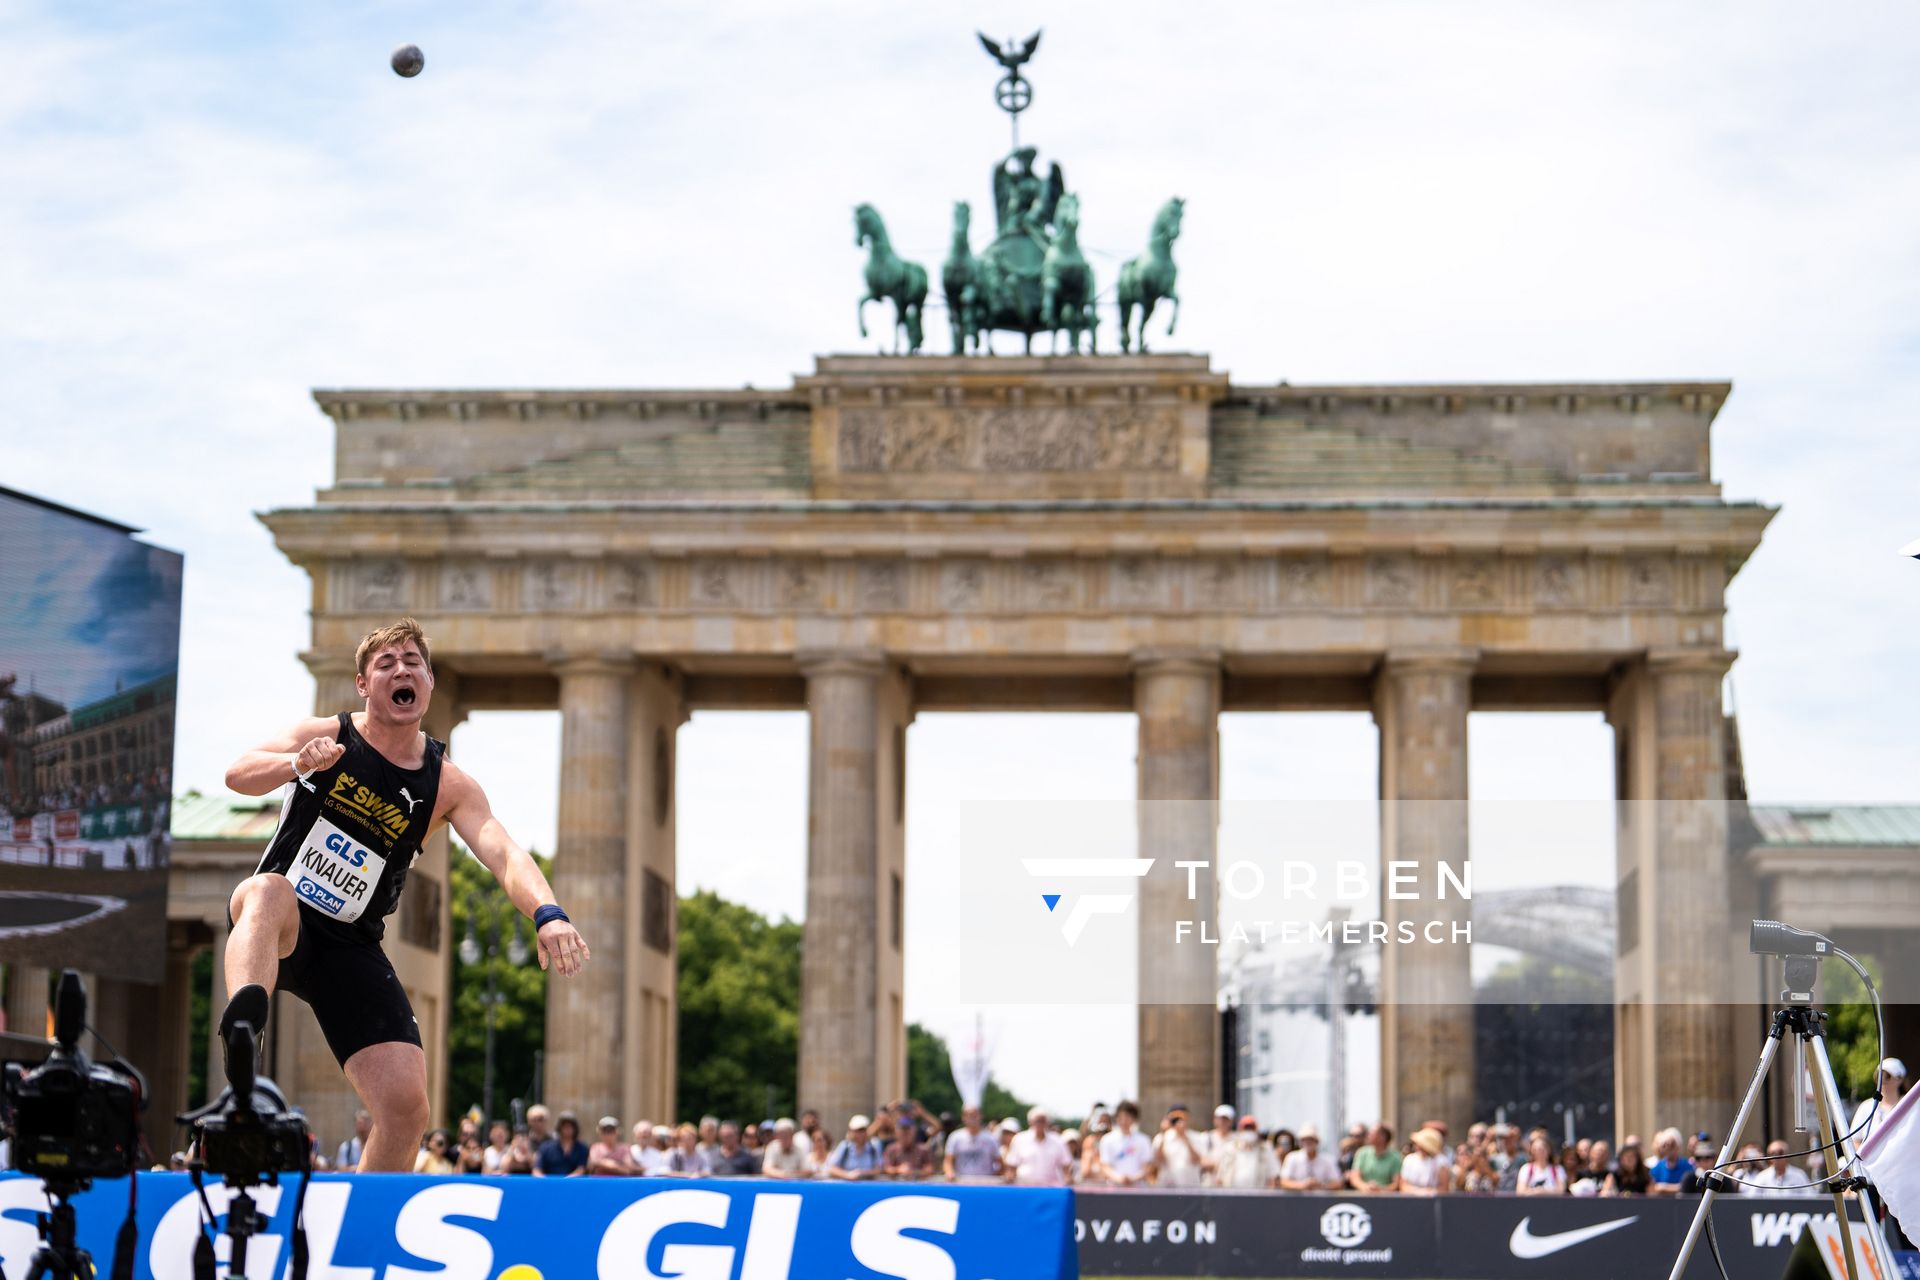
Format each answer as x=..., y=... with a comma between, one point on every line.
x=904, y=1141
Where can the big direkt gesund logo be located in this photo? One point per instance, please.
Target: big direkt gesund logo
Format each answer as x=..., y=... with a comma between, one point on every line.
x=1345, y=1227
x=1085, y=906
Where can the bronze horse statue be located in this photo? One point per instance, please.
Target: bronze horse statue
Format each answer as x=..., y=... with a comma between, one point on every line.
x=1066, y=280
x=1148, y=278
x=960, y=280
x=890, y=278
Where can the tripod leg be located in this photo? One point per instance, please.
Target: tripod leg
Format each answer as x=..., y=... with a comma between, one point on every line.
x=1767, y=1052
x=1827, y=1095
x=1831, y=1152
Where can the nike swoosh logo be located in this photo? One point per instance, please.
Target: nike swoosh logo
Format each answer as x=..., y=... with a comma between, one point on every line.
x=1527, y=1245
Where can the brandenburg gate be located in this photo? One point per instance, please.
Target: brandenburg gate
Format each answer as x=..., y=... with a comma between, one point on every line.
x=1128, y=533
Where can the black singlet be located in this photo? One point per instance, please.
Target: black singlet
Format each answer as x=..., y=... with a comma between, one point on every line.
x=349, y=834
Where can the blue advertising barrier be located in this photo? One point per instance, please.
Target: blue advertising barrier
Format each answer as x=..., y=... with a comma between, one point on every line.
x=401, y=1227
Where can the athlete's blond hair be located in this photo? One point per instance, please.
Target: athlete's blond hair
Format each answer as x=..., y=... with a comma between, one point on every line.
x=394, y=633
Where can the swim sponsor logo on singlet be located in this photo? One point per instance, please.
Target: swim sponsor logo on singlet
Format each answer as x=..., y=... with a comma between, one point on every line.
x=349, y=795
x=334, y=873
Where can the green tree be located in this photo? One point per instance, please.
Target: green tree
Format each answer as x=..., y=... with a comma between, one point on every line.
x=521, y=1017
x=200, y=1028
x=930, y=1079
x=739, y=1010
x=1853, y=1035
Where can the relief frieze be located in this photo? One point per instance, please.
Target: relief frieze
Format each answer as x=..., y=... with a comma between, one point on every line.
x=1093, y=585
x=552, y=586
x=465, y=585
x=1063, y=438
x=630, y=584
x=380, y=584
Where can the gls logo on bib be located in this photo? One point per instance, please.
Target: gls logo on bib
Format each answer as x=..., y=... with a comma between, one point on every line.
x=334, y=873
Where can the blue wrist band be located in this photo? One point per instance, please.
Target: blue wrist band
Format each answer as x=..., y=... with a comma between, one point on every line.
x=544, y=916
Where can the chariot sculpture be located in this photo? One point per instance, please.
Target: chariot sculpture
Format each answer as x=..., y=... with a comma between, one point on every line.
x=1032, y=277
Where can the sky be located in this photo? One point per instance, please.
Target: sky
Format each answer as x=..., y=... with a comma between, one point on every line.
x=205, y=211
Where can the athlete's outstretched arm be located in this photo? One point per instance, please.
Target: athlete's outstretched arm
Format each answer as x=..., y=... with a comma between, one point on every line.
x=472, y=817
x=304, y=748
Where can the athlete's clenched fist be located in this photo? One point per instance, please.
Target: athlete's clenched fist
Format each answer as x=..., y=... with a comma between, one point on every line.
x=321, y=753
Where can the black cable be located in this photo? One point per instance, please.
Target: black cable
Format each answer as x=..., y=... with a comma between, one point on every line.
x=95, y=1033
x=207, y=1231
x=1713, y=1248
x=300, y=1224
x=128, y=1242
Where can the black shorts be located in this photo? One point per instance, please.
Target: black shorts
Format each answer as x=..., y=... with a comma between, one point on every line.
x=351, y=987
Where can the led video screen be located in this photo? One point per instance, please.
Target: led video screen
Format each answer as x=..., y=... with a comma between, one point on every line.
x=89, y=656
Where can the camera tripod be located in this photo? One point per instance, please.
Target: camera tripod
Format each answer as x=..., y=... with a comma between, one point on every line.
x=60, y=1256
x=1808, y=1026
x=244, y=1221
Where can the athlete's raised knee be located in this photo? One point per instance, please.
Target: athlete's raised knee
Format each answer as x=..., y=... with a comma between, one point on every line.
x=270, y=894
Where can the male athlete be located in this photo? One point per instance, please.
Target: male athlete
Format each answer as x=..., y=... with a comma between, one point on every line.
x=363, y=790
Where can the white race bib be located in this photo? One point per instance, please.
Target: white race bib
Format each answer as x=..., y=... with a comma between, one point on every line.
x=334, y=873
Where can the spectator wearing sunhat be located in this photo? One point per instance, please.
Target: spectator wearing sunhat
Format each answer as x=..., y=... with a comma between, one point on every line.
x=1893, y=1082
x=1446, y=1149
x=1247, y=1162
x=1308, y=1168
x=1422, y=1171
x=1176, y=1156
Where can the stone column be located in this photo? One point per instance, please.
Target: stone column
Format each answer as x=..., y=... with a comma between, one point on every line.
x=27, y=1004
x=890, y=990
x=587, y=1042
x=1675, y=1062
x=1421, y=701
x=217, y=994
x=652, y=1007
x=1177, y=700
x=173, y=1018
x=841, y=1022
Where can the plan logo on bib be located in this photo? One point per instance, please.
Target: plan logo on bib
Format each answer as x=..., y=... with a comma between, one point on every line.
x=1082, y=908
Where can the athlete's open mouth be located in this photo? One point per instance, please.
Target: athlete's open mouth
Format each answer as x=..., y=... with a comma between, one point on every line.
x=403, y=696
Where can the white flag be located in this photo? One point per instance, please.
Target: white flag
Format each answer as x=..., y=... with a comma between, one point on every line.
x=1892, y=1157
